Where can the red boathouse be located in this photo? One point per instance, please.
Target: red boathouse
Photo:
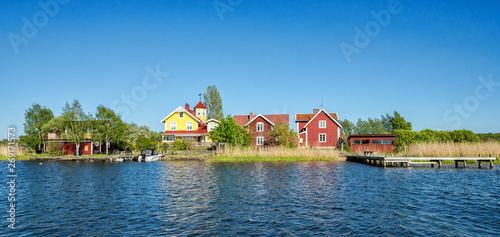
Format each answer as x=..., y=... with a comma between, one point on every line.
x=380, y=143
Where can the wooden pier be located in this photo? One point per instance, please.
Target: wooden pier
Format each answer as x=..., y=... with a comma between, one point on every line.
x=393, y=161
x=115, y=158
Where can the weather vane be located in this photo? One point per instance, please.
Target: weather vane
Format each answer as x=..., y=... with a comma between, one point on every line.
x=199, y=96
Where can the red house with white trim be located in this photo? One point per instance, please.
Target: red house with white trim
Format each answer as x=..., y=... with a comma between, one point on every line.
x=319, y=129
x=259, y=126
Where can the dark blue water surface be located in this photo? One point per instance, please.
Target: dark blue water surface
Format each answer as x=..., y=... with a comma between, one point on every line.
x=250, y=198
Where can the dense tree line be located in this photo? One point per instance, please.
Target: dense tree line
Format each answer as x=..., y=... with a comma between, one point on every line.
x=396, y=124
x=104, y=127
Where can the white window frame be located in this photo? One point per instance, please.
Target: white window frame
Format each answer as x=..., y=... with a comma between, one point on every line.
x=260, y=123
x=324, y=123
x=257, y=141
x=198, y=113
x=319, y=138
x=181, y=114
x=211, y=126
x=169, y=140
x=188, y=124
x=173, y=126
x=204, y=113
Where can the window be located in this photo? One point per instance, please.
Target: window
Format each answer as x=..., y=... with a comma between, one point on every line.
x=260, y=127
x=301, y=140
x=173, y=126
x=204, y=113
x=260, y=141
x=360, y=142
x=322, y=124
x=181, y=114
x=198, y=113
x=211, y=126
x=322, y=137
x=169, y=138
x=189, y=125
x=382, y=141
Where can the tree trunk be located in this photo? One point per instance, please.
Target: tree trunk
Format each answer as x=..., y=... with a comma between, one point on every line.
x=107, y=146
x=77, y=149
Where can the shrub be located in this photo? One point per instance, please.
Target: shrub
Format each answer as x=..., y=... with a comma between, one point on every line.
x=181, y=144
x=56, y=149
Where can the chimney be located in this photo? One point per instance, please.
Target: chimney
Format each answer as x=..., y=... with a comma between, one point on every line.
x=251, y=116
x=186, y=106
x=315, y=111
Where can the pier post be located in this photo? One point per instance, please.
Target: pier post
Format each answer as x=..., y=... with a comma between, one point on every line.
x=491, y=164
x=465, y=164
x=440, y=162
x=479, y=164
x=456, y=163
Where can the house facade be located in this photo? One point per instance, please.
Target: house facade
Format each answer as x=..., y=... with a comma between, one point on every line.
x=187, y=124
x=87, y=146
x=259, y=126
x=319, y=129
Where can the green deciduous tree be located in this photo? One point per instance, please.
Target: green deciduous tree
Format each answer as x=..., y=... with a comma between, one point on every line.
x=134, y=132
x=213, y=101
x=228, y=131
x=144, y=143
x=77, y=123
x=395, y=122
x=282, y=136
x=35, y=117
x=108, y=127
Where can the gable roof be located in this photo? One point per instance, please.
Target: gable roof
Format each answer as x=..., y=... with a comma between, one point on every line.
x=244, y=120
x=308, y=117
x=259, y=115
x=200, y=106
x=212, y=120
x=324, y=111
x=180, y=109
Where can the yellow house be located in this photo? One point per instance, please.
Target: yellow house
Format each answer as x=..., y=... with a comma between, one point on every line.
x=184, y=123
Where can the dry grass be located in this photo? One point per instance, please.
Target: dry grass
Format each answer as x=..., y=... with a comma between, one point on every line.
x=275, y=154
x=21, y=154
x=454, y=149
x=4, y=150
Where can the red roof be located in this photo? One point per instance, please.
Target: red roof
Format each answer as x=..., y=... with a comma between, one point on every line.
x=202, y=129
x=200, y=106
x=242, y=120
x=307, y=117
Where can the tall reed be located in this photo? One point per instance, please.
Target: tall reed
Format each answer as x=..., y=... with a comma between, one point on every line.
x=277, y=153
x=454, y=149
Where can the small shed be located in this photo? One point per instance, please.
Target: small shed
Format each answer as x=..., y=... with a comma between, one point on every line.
x=380, y=143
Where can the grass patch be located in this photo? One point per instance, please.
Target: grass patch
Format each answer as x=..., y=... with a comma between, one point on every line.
x=20, y=157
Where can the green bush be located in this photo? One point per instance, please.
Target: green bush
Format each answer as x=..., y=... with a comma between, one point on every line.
x=406, y=137
x=56, y=149
x=181, y=144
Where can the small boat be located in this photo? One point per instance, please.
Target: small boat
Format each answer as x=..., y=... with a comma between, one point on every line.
x=149, y=155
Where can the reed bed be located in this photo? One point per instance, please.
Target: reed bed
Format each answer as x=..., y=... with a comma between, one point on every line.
x=275, y=154
x=21, y=153
x=446, y=149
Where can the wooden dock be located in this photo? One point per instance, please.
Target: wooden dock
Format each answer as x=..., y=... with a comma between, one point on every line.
x=393, y=161
x=115, y=158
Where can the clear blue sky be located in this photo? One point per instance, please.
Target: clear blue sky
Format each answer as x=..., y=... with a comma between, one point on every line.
x=263, y=56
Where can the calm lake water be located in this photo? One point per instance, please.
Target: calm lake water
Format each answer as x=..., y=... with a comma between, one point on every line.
x=250, y=198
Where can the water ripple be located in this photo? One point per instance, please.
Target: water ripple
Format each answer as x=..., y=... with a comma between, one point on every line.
x=252, y=199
